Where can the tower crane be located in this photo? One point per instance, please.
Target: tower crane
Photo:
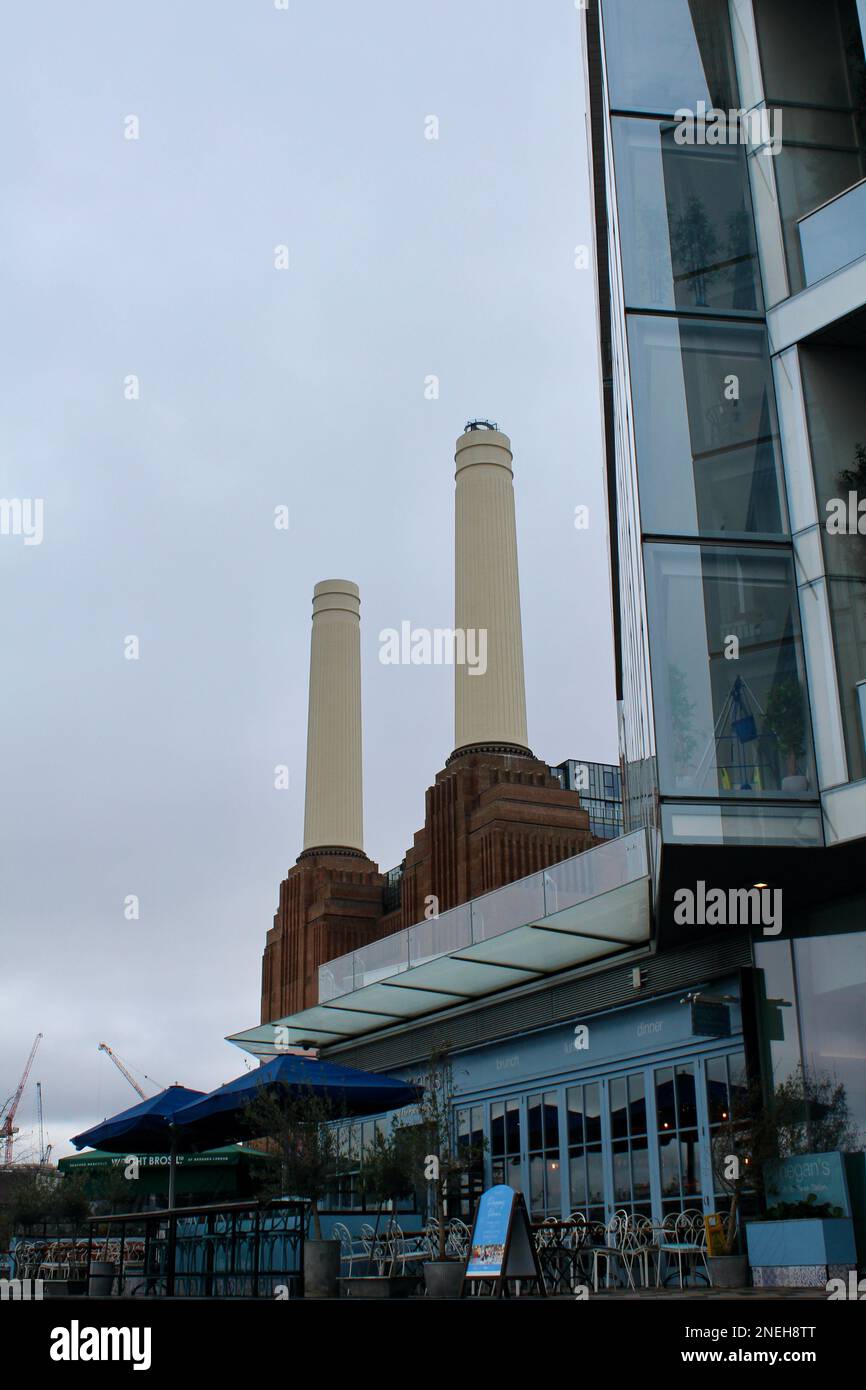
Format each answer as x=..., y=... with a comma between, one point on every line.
x=124, y=1071
x=8, y=1127
x=44, y=1149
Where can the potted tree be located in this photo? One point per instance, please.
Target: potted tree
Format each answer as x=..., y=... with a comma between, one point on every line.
x=785, y=719
x=758, y=1133
x=388, y=1175
x=305, y=1145
x=443, y=1160
x=740, y=1144
x=813, y=1130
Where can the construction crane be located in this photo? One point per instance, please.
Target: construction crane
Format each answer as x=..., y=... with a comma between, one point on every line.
x=8, y=1128
x=44, y=1150
x=124, y=1071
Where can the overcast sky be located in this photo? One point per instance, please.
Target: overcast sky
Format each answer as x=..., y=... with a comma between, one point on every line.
x=154, y=257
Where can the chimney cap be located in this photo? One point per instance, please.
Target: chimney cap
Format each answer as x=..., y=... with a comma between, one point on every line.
x=336, y=586
x=480, y=425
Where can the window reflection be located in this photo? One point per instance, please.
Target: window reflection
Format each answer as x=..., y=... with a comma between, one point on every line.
x=664, y=54
x=706, y=432
x=686, y=223
x=727, y=727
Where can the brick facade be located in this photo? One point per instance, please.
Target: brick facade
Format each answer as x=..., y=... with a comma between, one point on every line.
x=490, y=817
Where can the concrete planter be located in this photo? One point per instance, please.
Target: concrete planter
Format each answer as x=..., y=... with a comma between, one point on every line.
x=101, y=1279
x=728, y=1271
x=378, y=1286
x=321, y=1268
x=799, y=1253
x=443, y=1278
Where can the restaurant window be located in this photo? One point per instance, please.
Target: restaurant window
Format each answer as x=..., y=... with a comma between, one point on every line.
x=679, y=1155
x=470, y=1145
x=585, y=1171
x=505, y=1147
x=628, y=1126
x=545, y=1191
x=727, y=1088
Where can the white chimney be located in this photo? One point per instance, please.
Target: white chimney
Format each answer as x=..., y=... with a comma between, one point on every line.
x=490, y=708
x=333, y=813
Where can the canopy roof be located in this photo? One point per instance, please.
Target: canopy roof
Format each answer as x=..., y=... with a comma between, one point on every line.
x=584, y=909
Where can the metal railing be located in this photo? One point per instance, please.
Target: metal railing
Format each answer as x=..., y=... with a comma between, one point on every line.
x=229, y=1250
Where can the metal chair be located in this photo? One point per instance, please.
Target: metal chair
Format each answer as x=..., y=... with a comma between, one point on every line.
x=350, y=1251
x=683, y=1234
x=458, y=1238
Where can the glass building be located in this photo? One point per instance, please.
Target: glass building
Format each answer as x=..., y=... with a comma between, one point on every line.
x=598, y=1040
x=728, y=156
x=600, y=788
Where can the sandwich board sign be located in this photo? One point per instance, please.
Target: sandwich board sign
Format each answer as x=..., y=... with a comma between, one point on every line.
x=501, y=1247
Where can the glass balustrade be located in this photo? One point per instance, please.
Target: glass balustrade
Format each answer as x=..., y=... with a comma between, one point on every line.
x=611, y=865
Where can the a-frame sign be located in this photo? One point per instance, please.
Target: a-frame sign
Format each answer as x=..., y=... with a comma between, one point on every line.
x=501, y=1248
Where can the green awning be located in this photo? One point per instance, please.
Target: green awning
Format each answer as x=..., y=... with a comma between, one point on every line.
x=230, y=1155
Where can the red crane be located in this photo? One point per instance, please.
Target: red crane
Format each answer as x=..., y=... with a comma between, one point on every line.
x=8, y=1128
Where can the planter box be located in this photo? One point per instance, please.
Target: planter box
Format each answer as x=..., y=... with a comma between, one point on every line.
x=799, y=1254
x=378, y=1286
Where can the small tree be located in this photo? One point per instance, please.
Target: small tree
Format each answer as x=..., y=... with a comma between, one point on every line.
x=443, y=1158
x=786, y=718
x=390, y=1170
x=305, y=1143
x=806, y=1114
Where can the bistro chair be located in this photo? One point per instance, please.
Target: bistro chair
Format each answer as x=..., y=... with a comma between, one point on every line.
x=459, y=1236
x=638, y=1243
x=682, y=1234
x=350, y=1251
x=609, y=1246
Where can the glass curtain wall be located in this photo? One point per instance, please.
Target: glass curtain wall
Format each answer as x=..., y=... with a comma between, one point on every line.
x=732, y=719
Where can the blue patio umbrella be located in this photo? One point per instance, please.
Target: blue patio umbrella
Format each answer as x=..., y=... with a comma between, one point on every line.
x=225, y=1112
x=144, y=1128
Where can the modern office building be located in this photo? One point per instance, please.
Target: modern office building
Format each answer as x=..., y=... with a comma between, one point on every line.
x=598, y=1032
x=600, y=788
x=727, y=143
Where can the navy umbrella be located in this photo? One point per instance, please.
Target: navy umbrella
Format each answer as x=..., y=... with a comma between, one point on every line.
x=144, y=1128
x=223, y=1115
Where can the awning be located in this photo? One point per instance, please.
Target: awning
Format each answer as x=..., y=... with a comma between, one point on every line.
x=582, y=910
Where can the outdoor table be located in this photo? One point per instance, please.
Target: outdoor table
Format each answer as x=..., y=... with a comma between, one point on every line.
x=561, y=1260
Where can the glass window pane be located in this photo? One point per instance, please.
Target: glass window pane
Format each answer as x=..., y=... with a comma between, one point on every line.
x=551, y=1120
x=728, y=727
x=534, y=1117
x=621, y=1172
x=640, y=1169
x=574, y=1102
x=686, y=1104
x=595, y=1176
x=637, y=1103
x=686, y=222
x=717, y=1089
x=512, y=1126
x=665, y=1107
x=577, y=1181
x=831, y=975
x=670, y=1166
x=664, y=54
x=536, y=1185
x=618, y=1108
x=709, y=464
x=592, y=1112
